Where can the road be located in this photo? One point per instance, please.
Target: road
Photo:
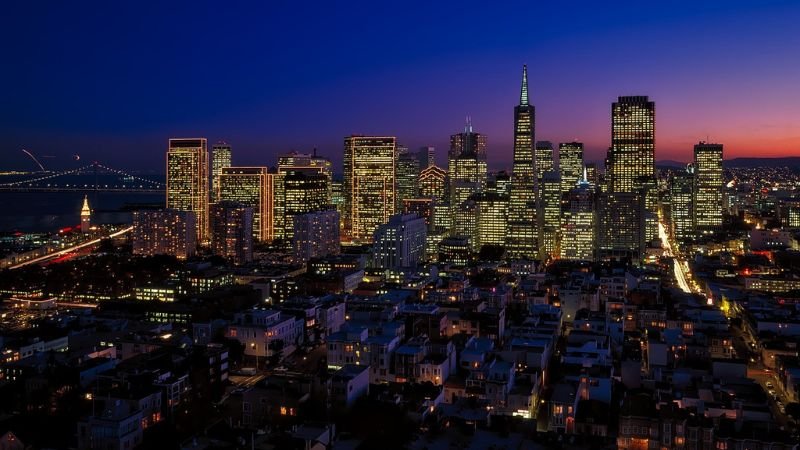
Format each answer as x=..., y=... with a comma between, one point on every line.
x=71, y=249
x=677, y=266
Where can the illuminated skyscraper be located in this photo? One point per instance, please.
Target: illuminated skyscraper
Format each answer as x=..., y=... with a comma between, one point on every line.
x=187, y=180
x=467, y=164
x=570, y=164
x=303, y=193
x=316, y=234
x=492, y=219
x=220, y=158
x=578, y=229
x=407, y=175
x=681, y=205
x=251, y=186
x=308, y=163
x=86, y=215
x=620, y=226
x=708, y=187
x=166, y=232
x=231, y=227
x=369, y=184
x=550, y=215
x=433, y=184
x=522, y=222
x=543, y=155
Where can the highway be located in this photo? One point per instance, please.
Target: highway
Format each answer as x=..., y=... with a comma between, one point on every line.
x=71, y=249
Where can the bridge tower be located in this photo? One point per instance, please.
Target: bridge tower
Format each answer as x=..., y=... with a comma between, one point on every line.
x=86, y=215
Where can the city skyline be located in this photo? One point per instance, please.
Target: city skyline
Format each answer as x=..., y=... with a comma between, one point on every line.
x=703, y=92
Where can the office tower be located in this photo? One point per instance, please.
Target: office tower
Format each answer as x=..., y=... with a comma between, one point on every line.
x=400, y=243
x=316, y=234
x=165, y=232
x=681, y=204
x=550, y=215
x=407, y=175
x=187, y=180
x=620, y=226
x=592, y=174
x=492, y=219
x=422, y=207
x=231, y=226
x=579, y=222
x=522, y=222
x=220, y=158
x=303, y=192
x=433, y=184
x=86, y=215
x=427, y=157
x=570, y=164
x=369, y=184
x=543, y=155
x=307, y=163
x=467, y=164
x=251, y=186
x=500, y=182
x=465, y=222
x=630, y=178
x=338, y=200
x=708, y=187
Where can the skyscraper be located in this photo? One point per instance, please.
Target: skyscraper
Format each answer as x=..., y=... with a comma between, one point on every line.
x=427, y=157
x=708, y=187
x=570, y=164
x=681, y=205
x=467, y=164
x=550, y=216
x=167, y=232
x=543, y=155
x=630, y=180
x=522, y=222
x=407, y=175
x=433, y=184
x=316, y=234
x=187, y=180
x=369, y=184
x=303, y=192
x=308, y=163
x=251, y=186
x=220, y=158
x=579, y=223
x=491, y=218
x=231, y=227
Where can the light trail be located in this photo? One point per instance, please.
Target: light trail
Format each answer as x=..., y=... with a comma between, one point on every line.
x=677, y=267
x=71, y=249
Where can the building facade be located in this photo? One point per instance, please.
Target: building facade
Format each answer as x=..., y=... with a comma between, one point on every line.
x=166, y=232
x=187, y=180
x=369, y=184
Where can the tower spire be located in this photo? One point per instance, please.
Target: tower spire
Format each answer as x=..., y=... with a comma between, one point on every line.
x=523, y=95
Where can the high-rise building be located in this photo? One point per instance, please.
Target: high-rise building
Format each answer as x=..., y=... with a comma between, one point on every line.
x=251, y=186
x=427, y=157
x=308, y=163
x=221, y=157
x=543, y=155
x=400, y=243
x=422, y=207
x=492, y=219
x=303, y=192
x=579, y=223
x=187, y=180
x=709, y=184
x=231, y=227
x=86, y=215
x=570, y=164
x=550, y=215
x=433, y=184
x=467, y=164
x=630, y=179
x=465, y=222
x=681, y=205
x=522, y=222
x=316, y=234
x=407, y=175
x=592, y=174
x=165, y=232
x=369, y=184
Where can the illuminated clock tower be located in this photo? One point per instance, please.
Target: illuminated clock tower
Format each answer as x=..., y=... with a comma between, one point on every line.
x=86, y=215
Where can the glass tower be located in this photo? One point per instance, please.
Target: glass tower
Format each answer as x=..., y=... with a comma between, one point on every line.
x=369, y=184
x=187, y=180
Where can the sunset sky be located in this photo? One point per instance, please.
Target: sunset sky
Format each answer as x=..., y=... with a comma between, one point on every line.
x=113, y=81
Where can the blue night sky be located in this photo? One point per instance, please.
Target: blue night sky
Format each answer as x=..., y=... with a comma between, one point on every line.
x=113, y=81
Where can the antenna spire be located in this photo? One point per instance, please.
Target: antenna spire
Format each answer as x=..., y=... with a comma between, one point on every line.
x=523, y=95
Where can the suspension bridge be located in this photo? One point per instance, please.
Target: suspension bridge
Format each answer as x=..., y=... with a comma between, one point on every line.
x=93, y=177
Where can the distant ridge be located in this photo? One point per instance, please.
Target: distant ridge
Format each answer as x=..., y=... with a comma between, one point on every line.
x=667, y=163
x=790, y=161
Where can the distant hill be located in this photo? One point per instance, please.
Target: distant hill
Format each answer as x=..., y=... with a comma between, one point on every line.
x=670, y=164
x=791, y=161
